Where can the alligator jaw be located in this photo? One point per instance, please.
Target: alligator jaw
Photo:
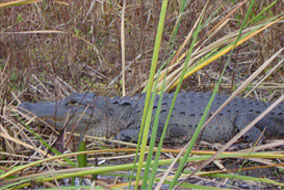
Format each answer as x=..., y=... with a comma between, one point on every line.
x=96, y=114
x=54, y=113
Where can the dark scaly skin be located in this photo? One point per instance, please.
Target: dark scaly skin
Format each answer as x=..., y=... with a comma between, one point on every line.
x=121, y=117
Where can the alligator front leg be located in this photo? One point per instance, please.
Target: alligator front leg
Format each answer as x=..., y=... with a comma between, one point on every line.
x=254, y=133
x=129, y=135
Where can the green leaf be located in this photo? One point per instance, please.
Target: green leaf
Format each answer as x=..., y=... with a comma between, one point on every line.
x=82, y=159
x=19, y=18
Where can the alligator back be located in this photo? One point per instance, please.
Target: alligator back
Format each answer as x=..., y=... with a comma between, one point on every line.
x=189, y=108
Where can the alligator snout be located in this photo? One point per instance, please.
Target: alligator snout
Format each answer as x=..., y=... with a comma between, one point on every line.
x=27, y=108
x=48, y=111
x=25, y=105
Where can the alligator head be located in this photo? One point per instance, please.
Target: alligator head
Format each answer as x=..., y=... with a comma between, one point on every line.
x=65, y=112
x=79, y=110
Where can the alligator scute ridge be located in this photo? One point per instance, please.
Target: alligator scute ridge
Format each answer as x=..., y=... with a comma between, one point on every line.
x=121, y=117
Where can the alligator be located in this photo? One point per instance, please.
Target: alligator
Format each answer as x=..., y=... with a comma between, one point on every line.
x=121, y=117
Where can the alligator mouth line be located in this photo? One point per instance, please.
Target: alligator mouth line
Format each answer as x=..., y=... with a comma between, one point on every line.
x=68, y=115
x=54, y=114
x=52, y=118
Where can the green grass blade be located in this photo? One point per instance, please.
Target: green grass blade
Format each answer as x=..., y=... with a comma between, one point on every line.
x=153, y=140
x=150, y=151
x=18, y=3
x=82, y=158
x=145, y=129
x=177, y=25
x=194, y=39
x=261, y=13
x=146, y=179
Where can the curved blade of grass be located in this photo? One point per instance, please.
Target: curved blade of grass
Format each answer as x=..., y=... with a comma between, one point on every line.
x=261, y=13
x=166, y=124
x=172, y=39
x=18, y=3
x=82, y=158
x=176, y=27
x=197, y=28
x=146, y=180
x=145, y=128
x=153, y=134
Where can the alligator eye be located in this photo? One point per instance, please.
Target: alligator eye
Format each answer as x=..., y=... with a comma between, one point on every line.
x=73, y=101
